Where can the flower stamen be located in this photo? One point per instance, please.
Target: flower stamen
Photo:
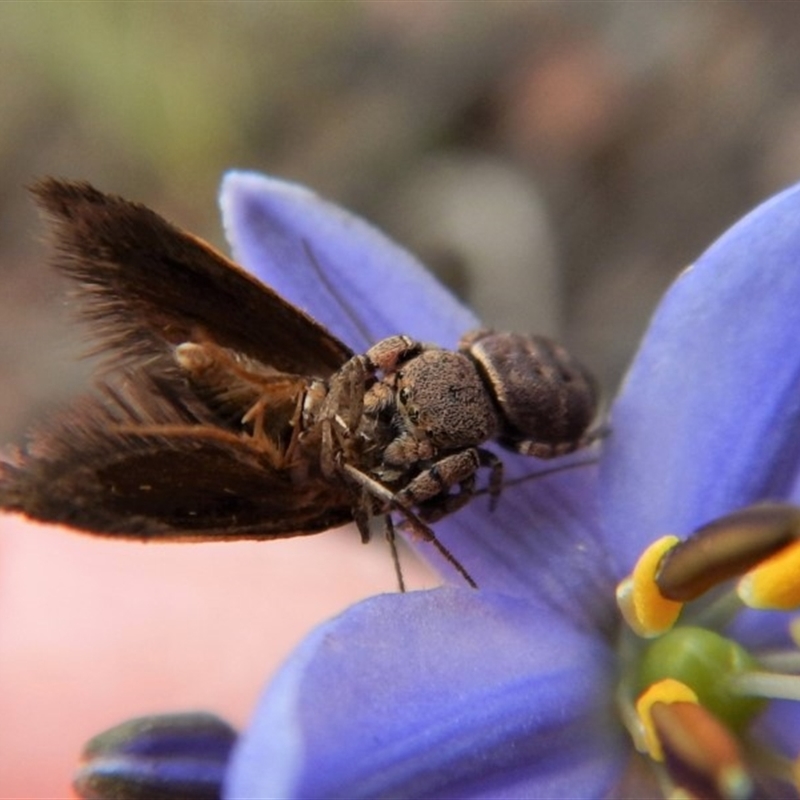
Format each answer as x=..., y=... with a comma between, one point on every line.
x=727, y=548
x=662, y=693
x=639, y=598
x=766, y=684
x=698, y=689
x=701, y=756
x=773, y=584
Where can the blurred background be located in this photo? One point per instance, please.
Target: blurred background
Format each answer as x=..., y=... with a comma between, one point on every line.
x=555, y=163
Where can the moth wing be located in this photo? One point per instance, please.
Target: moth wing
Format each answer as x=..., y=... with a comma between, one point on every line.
x=145, y=465
x=144, y=285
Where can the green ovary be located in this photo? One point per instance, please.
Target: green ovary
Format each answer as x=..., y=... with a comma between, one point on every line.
x=703, y=660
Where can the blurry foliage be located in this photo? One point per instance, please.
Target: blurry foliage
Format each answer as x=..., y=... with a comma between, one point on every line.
x=578, y=152
x=170, y=90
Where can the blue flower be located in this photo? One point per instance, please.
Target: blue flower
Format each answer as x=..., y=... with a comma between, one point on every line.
x=527, y=687
x=513, y=690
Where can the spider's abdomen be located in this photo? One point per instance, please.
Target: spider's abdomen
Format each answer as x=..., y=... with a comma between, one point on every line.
x=544, y=395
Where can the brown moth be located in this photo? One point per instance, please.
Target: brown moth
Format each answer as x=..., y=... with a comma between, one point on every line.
x=224, y=412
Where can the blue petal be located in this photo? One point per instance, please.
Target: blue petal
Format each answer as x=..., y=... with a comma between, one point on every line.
x=447, y=693
x=779, y=728
x=338, y=268
x=761, y=631
x=708, y=418
x=542, y=541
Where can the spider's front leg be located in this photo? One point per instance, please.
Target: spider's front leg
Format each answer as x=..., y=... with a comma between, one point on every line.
x=431, y=490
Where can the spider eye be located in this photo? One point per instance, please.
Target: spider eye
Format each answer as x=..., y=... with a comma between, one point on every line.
x=404, y=395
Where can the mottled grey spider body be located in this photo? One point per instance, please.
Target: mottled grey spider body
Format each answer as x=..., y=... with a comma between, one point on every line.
x=428, y=411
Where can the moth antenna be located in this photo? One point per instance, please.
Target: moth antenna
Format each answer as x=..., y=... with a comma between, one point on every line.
x=542, y=473
x=419, y=528
x=453, y=560
x=425, y=532
x=392, y=540
x=367, y=337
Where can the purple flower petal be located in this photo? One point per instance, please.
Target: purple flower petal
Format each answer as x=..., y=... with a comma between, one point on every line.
x=709, y=416
x=761, y=631
x=542, y=542
x=446, y=693
x=337, y=267
x=779, y=727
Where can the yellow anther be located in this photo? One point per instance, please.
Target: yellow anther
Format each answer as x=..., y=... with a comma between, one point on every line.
x=667, y=691
x=774, y=583
x=641, y=603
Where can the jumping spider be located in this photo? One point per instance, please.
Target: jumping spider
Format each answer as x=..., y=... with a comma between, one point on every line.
x=426, y=411
x=404, y=423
